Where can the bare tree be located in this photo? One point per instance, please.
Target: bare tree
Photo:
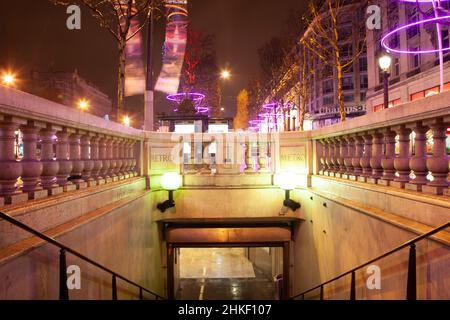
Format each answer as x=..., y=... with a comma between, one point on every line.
x=327, y=40
x=117, y=16
x=241, y=118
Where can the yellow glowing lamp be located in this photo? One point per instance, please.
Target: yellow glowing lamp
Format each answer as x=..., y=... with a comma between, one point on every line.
x=171, y=181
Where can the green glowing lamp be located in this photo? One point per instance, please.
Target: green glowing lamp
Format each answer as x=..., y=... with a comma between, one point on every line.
x=169, y=181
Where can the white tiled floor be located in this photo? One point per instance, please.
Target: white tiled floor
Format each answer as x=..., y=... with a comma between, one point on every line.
x=215, y=263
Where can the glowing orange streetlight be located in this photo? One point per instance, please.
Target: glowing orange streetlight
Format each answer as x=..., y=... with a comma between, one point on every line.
x=8, y=79
x=83, y=104
x=225, y=74
x=126, y=121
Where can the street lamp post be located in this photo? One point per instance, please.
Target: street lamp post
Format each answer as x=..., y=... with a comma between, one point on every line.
x=385, y=64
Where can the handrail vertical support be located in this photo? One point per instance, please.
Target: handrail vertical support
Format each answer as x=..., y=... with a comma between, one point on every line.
x=353, y=287
x=141, y=294
x=321, y=293
x=411, y=291
x=114, y=287
x=63, y=290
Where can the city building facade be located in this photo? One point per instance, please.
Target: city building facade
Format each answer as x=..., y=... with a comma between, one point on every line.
x=321, y=103
x=69, y=88
x=412, y=76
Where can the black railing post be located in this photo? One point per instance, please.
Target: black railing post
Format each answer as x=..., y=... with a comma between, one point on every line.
x=321, y=293
x=114, y=287
x=353, y=287
x=63, y=290
x=141, y=294
x=411, y=290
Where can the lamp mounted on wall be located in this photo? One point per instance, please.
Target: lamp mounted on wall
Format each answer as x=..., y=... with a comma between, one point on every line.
x=169, y=181
x=287, y=183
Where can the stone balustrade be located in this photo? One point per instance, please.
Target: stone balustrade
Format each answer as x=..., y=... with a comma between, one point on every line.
x=63, y=149
x=390, y=148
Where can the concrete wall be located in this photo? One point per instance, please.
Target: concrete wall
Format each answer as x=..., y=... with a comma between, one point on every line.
x=125, y=240
x=337, y=238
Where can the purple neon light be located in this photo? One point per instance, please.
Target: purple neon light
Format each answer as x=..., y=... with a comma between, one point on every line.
x=255, y=122
x=422, y=1
x=179, y=97
x=271, y=115
x=385, y=39
x=202, y=109
x=270, y=106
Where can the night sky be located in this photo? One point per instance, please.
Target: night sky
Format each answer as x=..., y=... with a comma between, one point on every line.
x=34, y=35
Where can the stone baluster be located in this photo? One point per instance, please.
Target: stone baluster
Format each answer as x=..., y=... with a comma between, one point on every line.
x=329, y=158
x=342, y=154
x=365, y=159
x=418, y=162
x=112, y=159
x=334, y=157
x=438, y=163
x=133, y=159
x=248, y=161
x=88, y=163
x=104, y=156
x=116, y=143
x=348, y=160
x=31, y=166
x=78, y=164
x=387, y=161
x=323, y=157
x=254, y=149
x=120, y=164
x=131, y=156
x=377, y=155
x=356, y=161
x=96, y=158
x=127, y=147
x=263, y=158
x=50, y=166
x=401, y=162
x=64, y=162
x=10, y=168
x=123, y=157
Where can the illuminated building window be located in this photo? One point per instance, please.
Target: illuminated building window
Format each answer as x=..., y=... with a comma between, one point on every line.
x=432, y=92
x=417, y=96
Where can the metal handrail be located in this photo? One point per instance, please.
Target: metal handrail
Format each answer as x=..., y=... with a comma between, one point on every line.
x=64, y=295
x=411, y=288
